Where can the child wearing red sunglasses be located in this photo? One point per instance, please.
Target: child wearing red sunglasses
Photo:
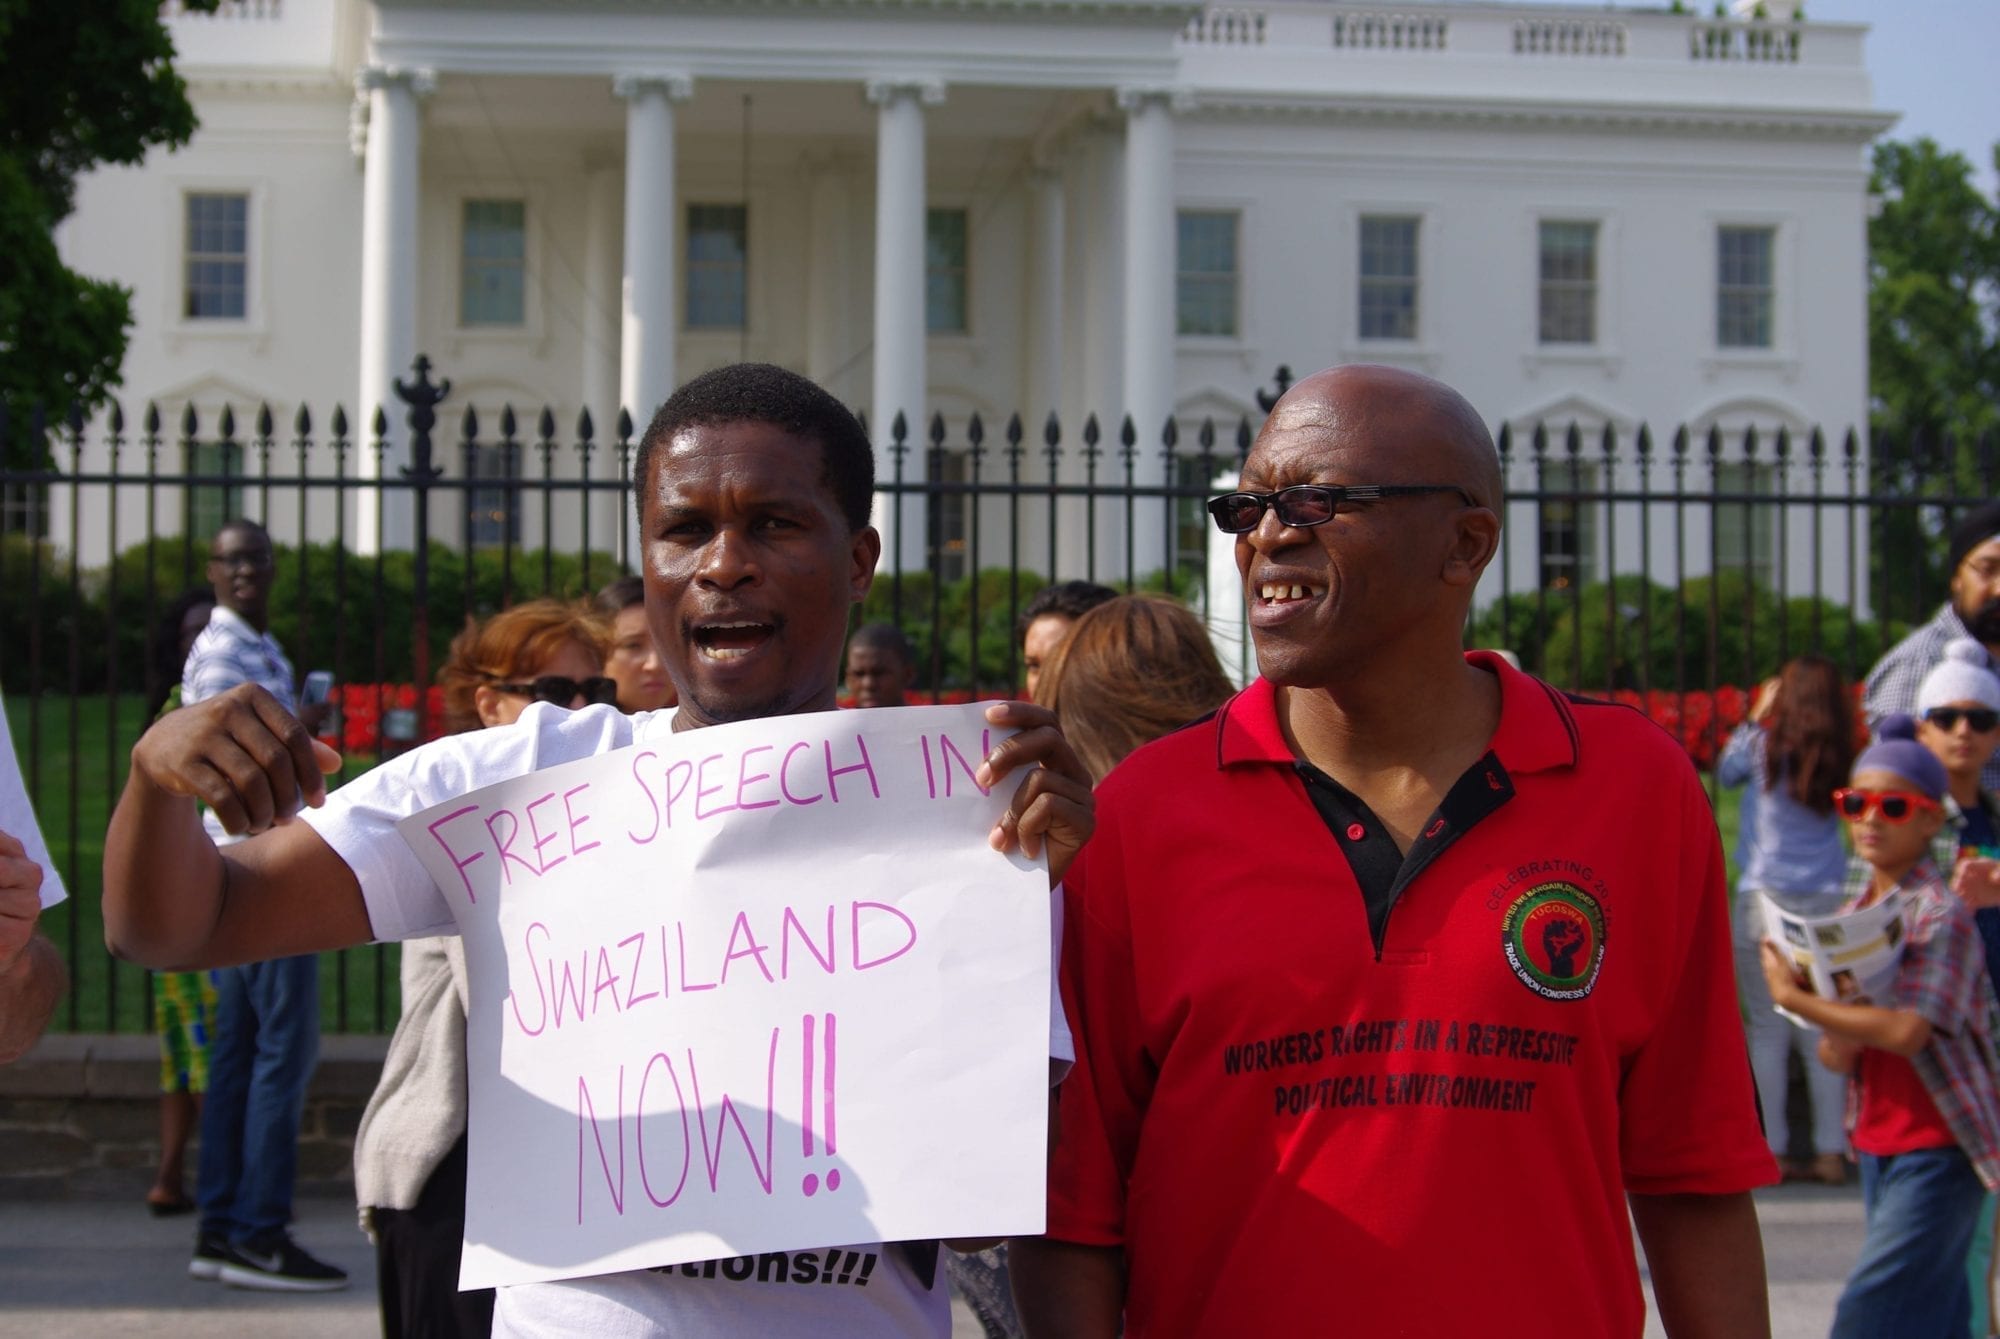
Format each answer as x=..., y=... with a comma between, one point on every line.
x=1923, y=1107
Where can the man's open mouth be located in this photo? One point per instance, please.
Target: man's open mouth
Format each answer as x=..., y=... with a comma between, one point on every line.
x=732, y=640
x=1280, y=592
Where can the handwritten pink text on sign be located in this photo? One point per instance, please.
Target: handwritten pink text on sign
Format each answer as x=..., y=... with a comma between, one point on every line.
x=746, y=989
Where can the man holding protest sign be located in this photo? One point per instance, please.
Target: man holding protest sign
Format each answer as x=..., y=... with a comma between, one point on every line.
x=753, y=560
x=1400, y=977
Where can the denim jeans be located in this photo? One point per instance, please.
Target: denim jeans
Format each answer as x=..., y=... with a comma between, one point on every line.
x=266, y=1043
x=1922, y=1208
x=1773, y=1038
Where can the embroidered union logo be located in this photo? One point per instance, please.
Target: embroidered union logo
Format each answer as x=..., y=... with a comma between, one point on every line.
x=1553, y=936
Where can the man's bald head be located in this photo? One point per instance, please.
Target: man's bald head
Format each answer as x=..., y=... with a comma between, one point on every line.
x=1380, y=586
x=1423, y=429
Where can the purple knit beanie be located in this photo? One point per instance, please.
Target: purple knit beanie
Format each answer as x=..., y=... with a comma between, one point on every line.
x=1896, y=750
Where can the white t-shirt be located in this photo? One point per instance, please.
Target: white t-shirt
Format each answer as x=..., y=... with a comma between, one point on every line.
x=861, y=1290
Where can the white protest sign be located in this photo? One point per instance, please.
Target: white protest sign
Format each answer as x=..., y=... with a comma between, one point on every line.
x=752, y=988
x=17, y=817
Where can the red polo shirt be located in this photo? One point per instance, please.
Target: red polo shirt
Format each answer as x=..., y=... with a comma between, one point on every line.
x=1324, y=1088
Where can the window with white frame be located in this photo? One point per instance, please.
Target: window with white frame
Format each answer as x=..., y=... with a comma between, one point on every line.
x=24, y=510
x=493, y=505
x=493, y=262
x=1193, y=530
x=1206, y=279
x=950, y=518
x=718, y=250
x=216, y=284
x=1568, y=294
x=946, y=257
x=1566, y=524
x=209, y=505
x=1745, y=286
x=1746, y=529
x=1388, y=294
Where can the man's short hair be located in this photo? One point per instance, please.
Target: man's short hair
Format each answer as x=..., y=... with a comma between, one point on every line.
x=242, y=525
x=762, y=393
x=885, y=637
x=621, y=595
x=1065, y=599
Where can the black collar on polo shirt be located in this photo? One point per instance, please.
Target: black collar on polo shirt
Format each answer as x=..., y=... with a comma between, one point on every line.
x=1537, y=732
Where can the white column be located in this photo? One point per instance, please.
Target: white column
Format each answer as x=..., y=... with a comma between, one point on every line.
x=389, y=188
x=900, y=377
x=831, y=339
x=648, y=320
x=1045, y=352
x=1096, y=279
x=1148, y=342
x=603, y=273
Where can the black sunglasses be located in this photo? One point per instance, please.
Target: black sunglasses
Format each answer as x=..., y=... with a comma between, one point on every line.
x=563, y=690
x=1310, y=504
x=1981, y=719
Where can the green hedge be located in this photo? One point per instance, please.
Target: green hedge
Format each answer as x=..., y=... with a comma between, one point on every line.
x=1625, y=635
x=354, y=618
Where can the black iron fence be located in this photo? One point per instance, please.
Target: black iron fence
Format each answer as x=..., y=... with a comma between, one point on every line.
x=1675, y=569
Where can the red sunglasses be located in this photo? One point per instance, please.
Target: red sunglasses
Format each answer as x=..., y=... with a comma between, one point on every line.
x=1895, y=806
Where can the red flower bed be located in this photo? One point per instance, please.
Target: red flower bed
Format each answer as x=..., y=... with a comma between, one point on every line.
x=363, y=705
x=1700, y=719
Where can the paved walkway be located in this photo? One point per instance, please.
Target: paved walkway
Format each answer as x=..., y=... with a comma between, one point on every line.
x=89, y=1269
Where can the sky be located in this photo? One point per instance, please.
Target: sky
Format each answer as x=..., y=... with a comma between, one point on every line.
x=1933, y=61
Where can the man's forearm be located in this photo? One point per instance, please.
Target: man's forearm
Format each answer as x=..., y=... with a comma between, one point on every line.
x=29, y=993
x=1707, y=1261
x=1066, y=1291
x=163, y=877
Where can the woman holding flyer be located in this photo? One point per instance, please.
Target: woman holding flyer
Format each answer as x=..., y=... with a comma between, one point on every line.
x=409, y=1154
x=1790, y=755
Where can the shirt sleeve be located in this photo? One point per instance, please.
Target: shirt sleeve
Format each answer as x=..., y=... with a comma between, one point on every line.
x=359, y=819
x=1892, y=685
x=1103, y=1102
x=1062, y=1047
x=208, y=673
x=1688, y=1118
x=1939, y=975
x=1740, y=755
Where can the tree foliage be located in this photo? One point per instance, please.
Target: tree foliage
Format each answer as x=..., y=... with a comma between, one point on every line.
x=1933, y=294
x=82, y=83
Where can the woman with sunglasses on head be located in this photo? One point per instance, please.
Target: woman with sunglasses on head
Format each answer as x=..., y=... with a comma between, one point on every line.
x=1789, y=756
x=409, y=1154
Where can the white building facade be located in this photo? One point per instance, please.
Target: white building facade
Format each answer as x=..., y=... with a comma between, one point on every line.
x=1113, y=207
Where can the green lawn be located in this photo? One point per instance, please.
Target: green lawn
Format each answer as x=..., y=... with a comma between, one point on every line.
x=73, y=755
x=1728, y=807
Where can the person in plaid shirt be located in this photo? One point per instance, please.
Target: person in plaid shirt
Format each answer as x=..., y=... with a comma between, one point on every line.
x=1973, y=559
x=1923, y=1108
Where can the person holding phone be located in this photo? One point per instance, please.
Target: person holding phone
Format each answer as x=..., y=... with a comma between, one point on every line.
x=266, y=1039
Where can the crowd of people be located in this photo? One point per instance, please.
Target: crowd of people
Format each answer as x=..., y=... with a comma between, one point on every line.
x=1395, y=962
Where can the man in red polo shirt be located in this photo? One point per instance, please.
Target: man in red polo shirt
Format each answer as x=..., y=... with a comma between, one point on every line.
x=1399, y=979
